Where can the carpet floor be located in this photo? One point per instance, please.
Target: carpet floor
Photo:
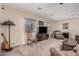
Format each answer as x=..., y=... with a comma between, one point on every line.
x=42, y=48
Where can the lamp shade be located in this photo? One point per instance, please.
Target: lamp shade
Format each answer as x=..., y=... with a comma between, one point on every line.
x=8, y=22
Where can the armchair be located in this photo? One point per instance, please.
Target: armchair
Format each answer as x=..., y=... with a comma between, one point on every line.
x=57, y=34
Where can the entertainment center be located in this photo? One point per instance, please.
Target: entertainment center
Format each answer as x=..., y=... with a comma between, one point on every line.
x=42, y=33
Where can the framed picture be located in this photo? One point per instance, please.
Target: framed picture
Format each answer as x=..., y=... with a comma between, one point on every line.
x=40, y=23
x=65, y=25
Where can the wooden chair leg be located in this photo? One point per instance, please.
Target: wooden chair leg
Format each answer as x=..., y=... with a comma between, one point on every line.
x=29, y=43
x=35, y=41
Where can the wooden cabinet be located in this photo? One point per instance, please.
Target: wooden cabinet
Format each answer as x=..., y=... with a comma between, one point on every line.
x=42, y=36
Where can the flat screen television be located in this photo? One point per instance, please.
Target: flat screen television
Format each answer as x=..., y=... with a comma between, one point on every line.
x=42, y=29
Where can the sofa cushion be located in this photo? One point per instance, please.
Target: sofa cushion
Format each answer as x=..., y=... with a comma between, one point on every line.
x=56, y=52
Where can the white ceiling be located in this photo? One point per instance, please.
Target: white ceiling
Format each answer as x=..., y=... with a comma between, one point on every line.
x=66, y=10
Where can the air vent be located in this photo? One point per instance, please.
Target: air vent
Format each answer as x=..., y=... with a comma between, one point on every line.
x=60, y=3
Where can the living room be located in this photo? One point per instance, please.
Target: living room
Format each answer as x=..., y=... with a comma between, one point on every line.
x=42, y=17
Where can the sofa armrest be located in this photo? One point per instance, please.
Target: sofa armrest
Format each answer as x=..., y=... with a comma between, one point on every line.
x=55, y=52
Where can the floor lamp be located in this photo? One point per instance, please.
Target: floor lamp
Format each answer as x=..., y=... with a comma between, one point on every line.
x=9, y=24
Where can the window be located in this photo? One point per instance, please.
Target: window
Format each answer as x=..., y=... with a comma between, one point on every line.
x=29, y=24
x=65, y=25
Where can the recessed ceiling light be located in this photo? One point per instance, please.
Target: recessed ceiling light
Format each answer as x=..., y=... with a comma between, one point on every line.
x=77, y=15
x=52, y=14
x=39, y=8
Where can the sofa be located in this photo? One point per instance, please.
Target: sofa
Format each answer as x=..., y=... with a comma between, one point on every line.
x=58, y=52
x=57, y=34
x=69, y=47
x=69, y=44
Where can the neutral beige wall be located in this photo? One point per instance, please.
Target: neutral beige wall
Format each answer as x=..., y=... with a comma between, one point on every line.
x=52, y=26
x=73, y=26
x=17, y=32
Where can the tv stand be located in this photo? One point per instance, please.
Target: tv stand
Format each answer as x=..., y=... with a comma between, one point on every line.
x=42, y=36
